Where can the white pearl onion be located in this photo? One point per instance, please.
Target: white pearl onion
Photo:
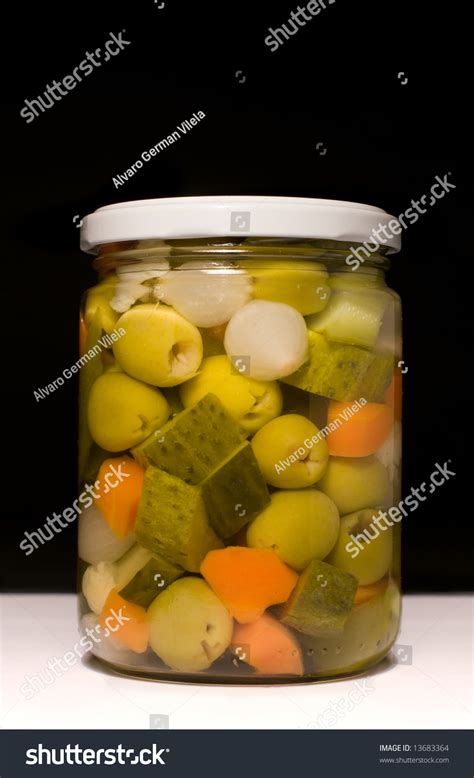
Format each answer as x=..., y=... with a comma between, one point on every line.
x=273, y=336
x=206, y=293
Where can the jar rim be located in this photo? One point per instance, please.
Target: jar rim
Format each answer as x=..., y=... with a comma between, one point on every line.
x=238, y=216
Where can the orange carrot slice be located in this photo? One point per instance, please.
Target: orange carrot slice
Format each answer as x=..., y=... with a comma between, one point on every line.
x=125, y=622
x=364, y=593
x=119, y=503
x=268, y=646
x=248, y=580
x=361, y=434
x=393, y=395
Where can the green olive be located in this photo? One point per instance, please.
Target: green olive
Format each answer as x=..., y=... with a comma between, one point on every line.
x=123, y=411
x=297, y=525
x=290, y=452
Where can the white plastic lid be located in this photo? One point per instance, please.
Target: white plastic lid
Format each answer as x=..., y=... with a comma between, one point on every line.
x=224, y=216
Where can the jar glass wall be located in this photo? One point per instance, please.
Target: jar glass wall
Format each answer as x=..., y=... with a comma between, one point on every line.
x=240, y=441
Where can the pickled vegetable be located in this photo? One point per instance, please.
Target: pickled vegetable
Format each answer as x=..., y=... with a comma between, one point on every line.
x=205, y=296
x=363, y=547
x=235, y=492
x=133, y=630
x=303, y=285
x=298, y=526
x=342, y=372
x=272, y=336
x=192, y=443
x=353, y=317
x=172, y=521
x=355, y=482
x=267, y=646
x=152, y=579
x=361, y=434
x=159, y=346
x=122, y=411
x=99, y=579
x=118, y=503
x=251, y=403
x=322, y=600
x=291, y=452
x=368, y=632
x=98, y=305
x=97, y=542
x=248, y=580
x=189, y=626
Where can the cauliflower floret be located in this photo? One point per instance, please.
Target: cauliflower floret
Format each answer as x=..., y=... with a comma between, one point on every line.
x=131, y=286
x=97, y=583
x=99, y=580
x=127, y=293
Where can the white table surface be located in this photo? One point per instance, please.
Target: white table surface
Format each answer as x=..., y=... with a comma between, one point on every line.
x=434, y=692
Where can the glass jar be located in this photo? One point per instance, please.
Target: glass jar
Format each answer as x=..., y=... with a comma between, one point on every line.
x=240, y=441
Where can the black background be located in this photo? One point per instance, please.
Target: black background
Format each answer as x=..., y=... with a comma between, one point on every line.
x=336, y=83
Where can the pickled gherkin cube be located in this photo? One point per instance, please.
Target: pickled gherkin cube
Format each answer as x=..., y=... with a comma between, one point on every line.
x=377, y=377
x=172, y=521
x=368, y=631
x=321, y=600
x=150, y=581
x=235, y=492
x=343, y=372
x=193, y=442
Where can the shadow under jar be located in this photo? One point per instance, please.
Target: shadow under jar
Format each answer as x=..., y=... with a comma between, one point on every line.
x=240, y=440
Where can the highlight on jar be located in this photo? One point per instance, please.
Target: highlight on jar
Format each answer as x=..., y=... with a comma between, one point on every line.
x=253, y=405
